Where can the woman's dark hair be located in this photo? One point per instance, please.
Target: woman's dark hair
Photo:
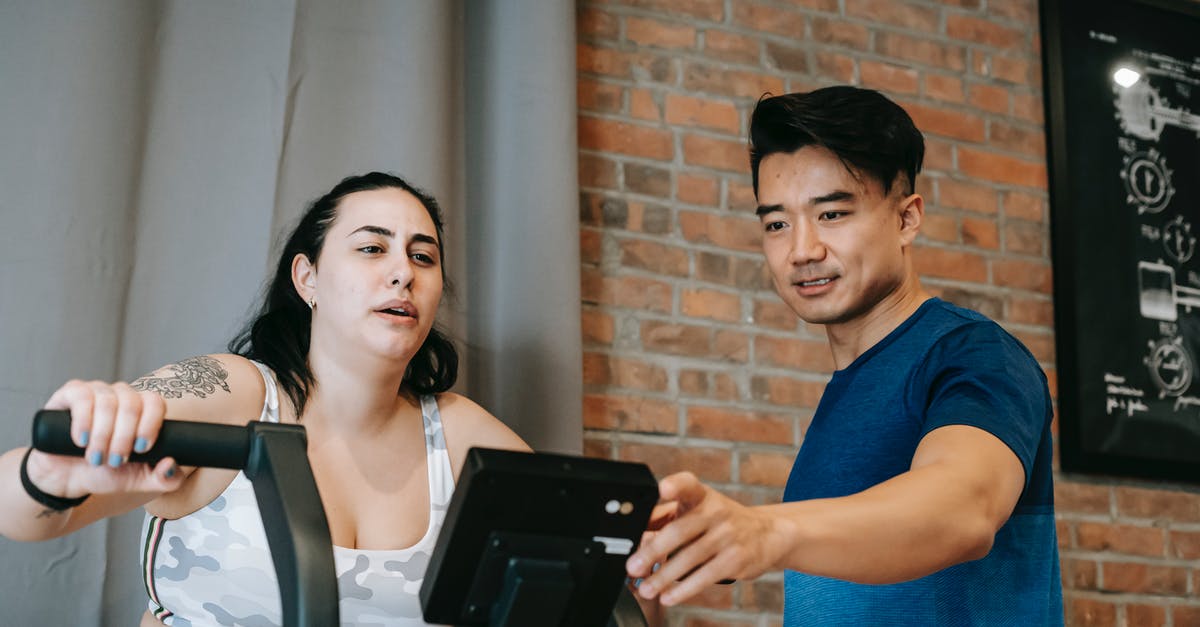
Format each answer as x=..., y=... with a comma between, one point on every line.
x=868, y=132
x=280, y=332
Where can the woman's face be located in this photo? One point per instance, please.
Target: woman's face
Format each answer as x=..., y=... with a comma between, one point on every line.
x=378, y=278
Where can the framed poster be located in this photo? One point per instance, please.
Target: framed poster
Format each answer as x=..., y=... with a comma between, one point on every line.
x=1123, y=127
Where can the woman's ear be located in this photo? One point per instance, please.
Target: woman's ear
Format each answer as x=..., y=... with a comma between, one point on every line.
x=304, y=278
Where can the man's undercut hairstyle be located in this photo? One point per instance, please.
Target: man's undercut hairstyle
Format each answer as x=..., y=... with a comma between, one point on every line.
x=867, y=131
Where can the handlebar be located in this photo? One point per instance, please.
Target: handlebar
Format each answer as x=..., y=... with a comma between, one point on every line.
x=190, y=443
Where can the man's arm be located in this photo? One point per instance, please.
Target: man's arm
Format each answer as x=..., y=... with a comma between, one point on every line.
x=961, y=488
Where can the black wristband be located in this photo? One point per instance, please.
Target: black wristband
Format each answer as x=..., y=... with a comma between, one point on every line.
x=56, y=503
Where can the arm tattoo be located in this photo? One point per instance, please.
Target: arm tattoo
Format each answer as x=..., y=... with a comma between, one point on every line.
x=200, y=376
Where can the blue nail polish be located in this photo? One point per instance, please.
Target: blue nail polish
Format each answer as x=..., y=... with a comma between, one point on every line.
x=114, y=460
x=140, y=445
x=83, y=438
x=94, y=458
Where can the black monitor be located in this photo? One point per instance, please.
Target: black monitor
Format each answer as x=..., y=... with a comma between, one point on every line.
x=536, y=540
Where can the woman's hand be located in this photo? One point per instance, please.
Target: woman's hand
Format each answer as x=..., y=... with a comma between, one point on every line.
x=111, y=421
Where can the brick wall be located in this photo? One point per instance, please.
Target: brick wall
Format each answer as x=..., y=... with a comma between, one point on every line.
x=691, y=360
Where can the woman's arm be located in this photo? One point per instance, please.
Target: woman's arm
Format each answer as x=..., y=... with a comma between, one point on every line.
x=113, y=420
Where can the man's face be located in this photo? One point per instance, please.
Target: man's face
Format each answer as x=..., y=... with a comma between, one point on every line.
x=834, y=242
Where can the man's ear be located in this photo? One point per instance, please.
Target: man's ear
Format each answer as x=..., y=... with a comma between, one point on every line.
x=912, y=214
x=304, y=277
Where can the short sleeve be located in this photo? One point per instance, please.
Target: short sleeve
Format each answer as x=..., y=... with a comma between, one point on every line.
x=980, y=375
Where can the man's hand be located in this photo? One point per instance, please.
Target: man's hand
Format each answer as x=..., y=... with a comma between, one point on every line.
x=700, y=537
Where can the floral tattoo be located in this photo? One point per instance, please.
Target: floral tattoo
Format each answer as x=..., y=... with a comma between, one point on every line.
x=199, y=376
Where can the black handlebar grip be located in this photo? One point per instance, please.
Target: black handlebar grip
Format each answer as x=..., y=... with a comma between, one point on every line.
x=190, y=443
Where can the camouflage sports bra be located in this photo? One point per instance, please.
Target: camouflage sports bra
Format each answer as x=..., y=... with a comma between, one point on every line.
x=213, y=567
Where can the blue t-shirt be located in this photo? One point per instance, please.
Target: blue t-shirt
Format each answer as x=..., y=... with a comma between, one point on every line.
x=943, y=366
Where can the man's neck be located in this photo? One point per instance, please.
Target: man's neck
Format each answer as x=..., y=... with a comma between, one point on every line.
x=852, y=338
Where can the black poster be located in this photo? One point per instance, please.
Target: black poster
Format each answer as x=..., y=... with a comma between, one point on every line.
x=1122, y=83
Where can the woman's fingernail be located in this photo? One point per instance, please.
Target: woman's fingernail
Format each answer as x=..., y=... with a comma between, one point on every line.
x=83, y=438
x=141, y=445
x=95, y=457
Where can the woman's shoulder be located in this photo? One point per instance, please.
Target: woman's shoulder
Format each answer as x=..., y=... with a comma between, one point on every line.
x=222, y=388
x=471, y=425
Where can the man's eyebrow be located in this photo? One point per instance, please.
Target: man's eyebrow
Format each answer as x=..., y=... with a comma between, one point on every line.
x=765, y=209
x=370, y=228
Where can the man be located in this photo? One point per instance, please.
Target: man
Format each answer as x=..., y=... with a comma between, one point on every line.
x=922, y=492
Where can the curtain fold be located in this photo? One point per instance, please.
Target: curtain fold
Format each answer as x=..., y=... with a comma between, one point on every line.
x=153, y=153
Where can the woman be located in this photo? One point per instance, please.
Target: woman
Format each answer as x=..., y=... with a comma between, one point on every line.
x=346, y=331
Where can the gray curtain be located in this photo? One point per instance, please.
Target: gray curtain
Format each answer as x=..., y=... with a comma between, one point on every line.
x=151, y=153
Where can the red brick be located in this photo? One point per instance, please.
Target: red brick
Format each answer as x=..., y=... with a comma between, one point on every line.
x=978, y=31
x=775, y=315
x=947, y=88
x=739, y=426
x=989, y=98
x=709, y=464
x=733, y=232
x=899, y=14
x=660, y=34
x=706, y=113
x=1000, y=168
x=887, y=77
x=939, y=227
x=806, y=355
x=596, y=96
x=1136, y=577
x=836, y=66
x=629, y=414
x=1013, y=70
x=762, y=468
x=946, y=122
x=676, y=339
x=768, y=19
x=598, y=327
x=698, y=190
x=590, y=246
x=1140, y=615
x=949, y=264
x=627, y=291
x=642, y=105
x=710, y=10
x=630, y=139
x=786, y=391
x=1092, y=613
x=596, y=171
x=839, y=32
x=1026, y=238
x=1026, y=275
x=1128, y=539
x=727, y=46
x=731, y=346
x=964, y=195
x=1158, y=504
x=1023, y=206
x=1035, y=311
x=981, y=232
x=654, y=257
x=1018, y=139
x=596, y=24
x=921, y=50
x=702, y=303
x=733, y=83
x=721, y=154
